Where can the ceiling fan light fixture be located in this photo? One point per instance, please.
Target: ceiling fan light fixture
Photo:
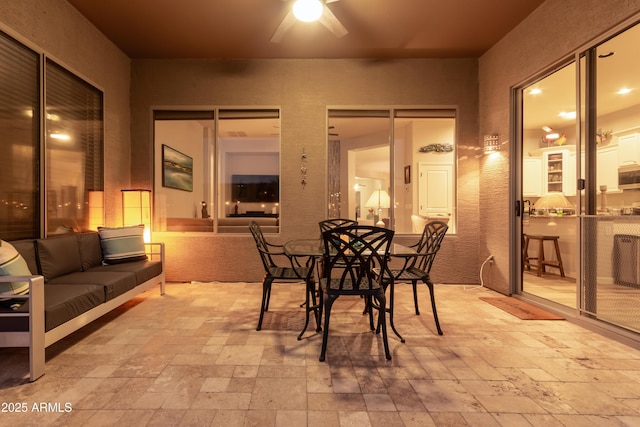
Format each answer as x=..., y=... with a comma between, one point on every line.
x=307, y=10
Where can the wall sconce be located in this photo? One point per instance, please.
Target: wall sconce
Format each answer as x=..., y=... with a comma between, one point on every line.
x=96, y=209
x=136, y=210
x=491, y=144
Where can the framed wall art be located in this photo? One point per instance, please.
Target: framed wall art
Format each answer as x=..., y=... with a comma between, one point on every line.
x=177, y=169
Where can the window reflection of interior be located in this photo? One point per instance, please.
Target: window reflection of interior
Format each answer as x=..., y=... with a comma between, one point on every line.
x=74, y=149
x=422, y=185
x=235, y=174
x=248, y=170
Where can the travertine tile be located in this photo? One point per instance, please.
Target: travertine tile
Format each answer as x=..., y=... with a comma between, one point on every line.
x=194, y=358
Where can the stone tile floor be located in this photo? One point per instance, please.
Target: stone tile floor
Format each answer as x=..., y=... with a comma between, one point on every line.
x=193, y=357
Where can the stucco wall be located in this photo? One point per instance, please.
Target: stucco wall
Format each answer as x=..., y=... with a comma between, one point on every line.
x=554, y=30
x=57, y=29
x=304, y=89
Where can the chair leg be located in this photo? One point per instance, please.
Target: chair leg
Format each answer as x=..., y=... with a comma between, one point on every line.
x=433, y=305
x=414, y=283
x=268, y=296
x=389, y=310
x=310, y=306
x=266, y=292
x=329, y=300
x=369, y=309
x=382, y=321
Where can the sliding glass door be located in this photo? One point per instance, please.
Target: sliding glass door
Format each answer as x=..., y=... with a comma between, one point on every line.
x=579, y=163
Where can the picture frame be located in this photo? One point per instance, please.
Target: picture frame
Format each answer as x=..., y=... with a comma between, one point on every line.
x=177, y=169
x=407, y=174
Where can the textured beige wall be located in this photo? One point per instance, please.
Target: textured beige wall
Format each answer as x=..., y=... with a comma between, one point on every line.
x=556, y=29
x=55, y=28
x=304, y=89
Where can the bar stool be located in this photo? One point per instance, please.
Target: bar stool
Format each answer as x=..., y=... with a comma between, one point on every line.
x=542, y=262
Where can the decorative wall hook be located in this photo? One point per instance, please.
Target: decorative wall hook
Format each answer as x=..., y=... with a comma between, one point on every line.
x=303, y=169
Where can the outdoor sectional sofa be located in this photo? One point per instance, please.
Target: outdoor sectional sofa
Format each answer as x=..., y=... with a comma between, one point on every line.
x=73, y=286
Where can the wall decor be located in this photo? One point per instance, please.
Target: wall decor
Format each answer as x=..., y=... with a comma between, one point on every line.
x=407, y=174
x=303, y=169
x=177, y=169
x=436, y=148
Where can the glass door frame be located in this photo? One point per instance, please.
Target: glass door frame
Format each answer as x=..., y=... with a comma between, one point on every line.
x=516, y=198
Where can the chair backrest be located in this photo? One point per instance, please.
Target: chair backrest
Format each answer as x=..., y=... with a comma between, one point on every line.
x=328, y=224
x=352, y=253
x=429, y=243
x=262, y=245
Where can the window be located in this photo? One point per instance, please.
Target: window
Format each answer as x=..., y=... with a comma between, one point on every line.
x=235, y=172
x=19, y=133
x=394, y=168
x=73, y=146
x=74, y=149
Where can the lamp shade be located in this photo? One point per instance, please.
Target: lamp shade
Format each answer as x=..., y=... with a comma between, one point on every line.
x=552, y=201
x=136, y=210
x=379, y=199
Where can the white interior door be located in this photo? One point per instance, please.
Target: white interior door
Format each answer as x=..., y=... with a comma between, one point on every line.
x=435, y=189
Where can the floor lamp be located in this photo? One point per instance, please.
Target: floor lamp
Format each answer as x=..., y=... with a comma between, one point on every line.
x=136, y=210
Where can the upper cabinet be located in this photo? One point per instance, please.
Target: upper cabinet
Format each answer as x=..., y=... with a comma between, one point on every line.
x=629, y=149
x=606, y=170
x=532, y=177
x=555, y=176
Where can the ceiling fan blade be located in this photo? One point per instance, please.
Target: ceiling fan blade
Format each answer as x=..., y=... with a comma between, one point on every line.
x=329, y=20
x=284, y=26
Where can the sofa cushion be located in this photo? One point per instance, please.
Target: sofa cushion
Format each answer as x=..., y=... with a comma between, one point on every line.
x=58, y=256
x=90, y=249
x=61, y=304
x=114, y=283
x=143, y=270
x=27, y=248
x=122, y=244
x=12, y=264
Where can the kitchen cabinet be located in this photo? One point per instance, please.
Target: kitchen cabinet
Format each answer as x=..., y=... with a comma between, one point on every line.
x=532, y=177
x=629, y=149
x=606, y=170
x=556, y=176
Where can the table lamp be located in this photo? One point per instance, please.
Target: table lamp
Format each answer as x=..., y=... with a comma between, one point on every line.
x=379, y=199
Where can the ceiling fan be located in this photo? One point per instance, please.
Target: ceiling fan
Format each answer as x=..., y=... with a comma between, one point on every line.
x=327, y=18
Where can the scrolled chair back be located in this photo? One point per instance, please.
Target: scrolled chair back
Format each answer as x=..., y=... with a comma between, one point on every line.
x=430, y=243
x=262, y=245
x=352, y=253
x=330, y=223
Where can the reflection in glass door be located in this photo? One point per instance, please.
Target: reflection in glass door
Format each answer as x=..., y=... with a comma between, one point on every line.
x=549, y=163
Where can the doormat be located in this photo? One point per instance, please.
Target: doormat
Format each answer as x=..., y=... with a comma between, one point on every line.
x=521, y=309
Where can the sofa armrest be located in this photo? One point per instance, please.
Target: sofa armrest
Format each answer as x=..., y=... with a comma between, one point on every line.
x=36, y=338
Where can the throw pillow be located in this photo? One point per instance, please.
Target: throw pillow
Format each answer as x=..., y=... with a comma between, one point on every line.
x=12, y=264
x=122, y=244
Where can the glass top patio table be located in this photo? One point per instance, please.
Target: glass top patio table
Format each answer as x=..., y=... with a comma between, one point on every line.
x=314, y=248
